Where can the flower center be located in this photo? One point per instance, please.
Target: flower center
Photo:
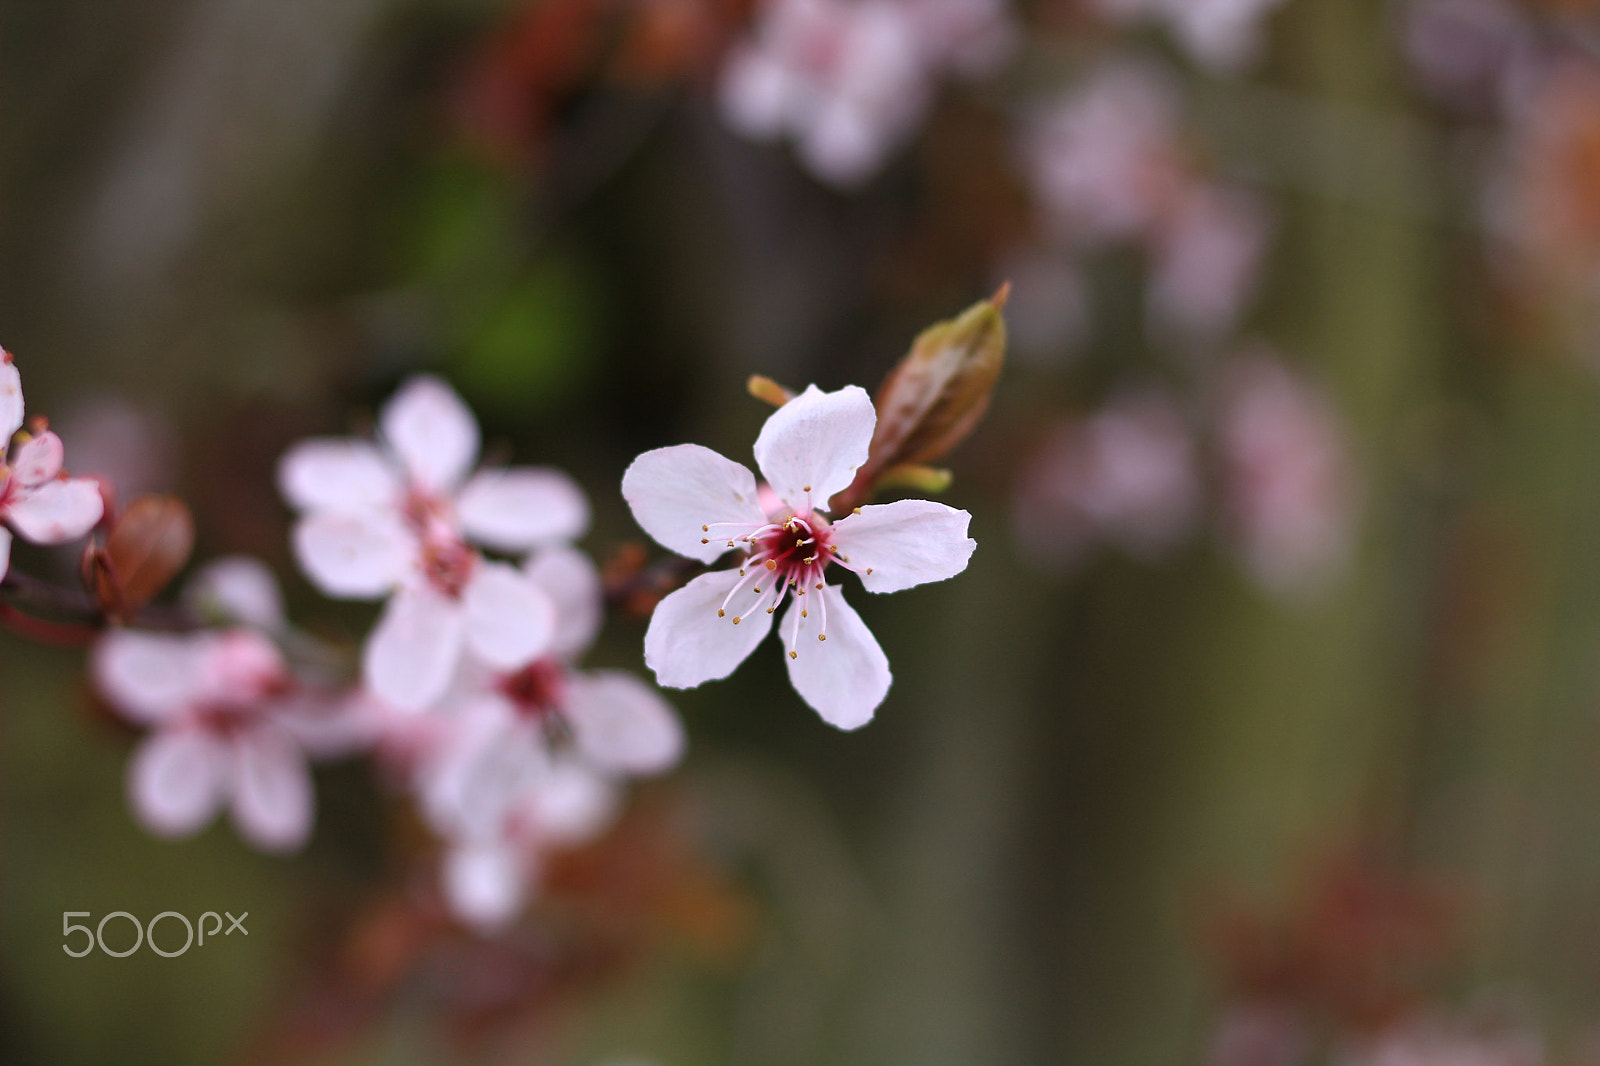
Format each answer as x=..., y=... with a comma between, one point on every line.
x=536, y=689
x=784, y=557
x=446, y=559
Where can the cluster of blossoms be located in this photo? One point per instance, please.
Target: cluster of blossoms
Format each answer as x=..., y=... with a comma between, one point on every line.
x=849, y=80
x=470, y=691
x=469, y=687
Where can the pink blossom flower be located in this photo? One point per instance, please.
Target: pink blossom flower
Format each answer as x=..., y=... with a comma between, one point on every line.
x=509, y=726
x=400, y=516
x=1104, y=161
x=1205, y=265
x=1288, y=477
x=850, y=79
x=1127, y=475
x=1224, y=35
x=37, y=500
x=218, y=704
x=487, y=877
x=699, y=504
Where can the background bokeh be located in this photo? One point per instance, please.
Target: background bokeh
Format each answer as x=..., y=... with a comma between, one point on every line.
x=1263, y=727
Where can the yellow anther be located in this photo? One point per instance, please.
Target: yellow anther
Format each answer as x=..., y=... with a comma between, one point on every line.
x=855, y=510
x=737, y=619
x=869, y=569
x=805, y=614
x=807, y=489
x=721, y=613
x=819, y=586
x=758, y=588
x=771, y=609
x=794, y=655
x=822, y=636
x=772, y=564
x=705, y=540
x=705, y=529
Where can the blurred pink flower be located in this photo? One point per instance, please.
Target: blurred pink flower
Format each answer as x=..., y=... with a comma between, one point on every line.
x=1207, y=257
x=1223, y=35
x=218, y=705
x=1468, y=53
x=1443, y=1042
x=1287, y=476
x=36, y=499
x=1126, y=475
x=850, y=79
x=397, y=516
x=1104, y=161
x=506, y=726
x=697, y=503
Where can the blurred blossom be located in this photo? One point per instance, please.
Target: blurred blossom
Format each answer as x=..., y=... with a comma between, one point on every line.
x=1223, y=35
x=1126, y=475
x=1260, y=1034
x=702, y=505
x=397, y=516
x=488, y=873
x=1207, y=259
x=218, y=704
x=1445, y=1042
x=850, y=80
x=132, y=447
x=37, y=500
x=1287, y=477
x=1104, y=161
x=1048, y=314
x=237, y=590
x=1465, y=52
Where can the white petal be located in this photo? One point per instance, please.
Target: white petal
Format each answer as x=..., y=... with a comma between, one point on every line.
x=57, y=511
x=675, y=491
x=338, y=474
x=843, y=678
x=572, y=803
x=621, y=724
x=412, y=652
x=521, y=508
x=272, y=794
x=432, y=431
x=571, y=580
x=904, y=543
x=238, y=589
x=485, y=885
x=357, y=556
x=509, y=619
x=10, y=401
x=175, y=781
x=811, y=446
x=149, y=676
x=487, y=759
x=38, y=461
x=687, y=643
x=5, y=551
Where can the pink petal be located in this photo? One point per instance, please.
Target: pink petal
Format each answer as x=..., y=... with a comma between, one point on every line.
x=487, y=760
x=272, y=794
x=521, y=508
x=570, y=579
x=10, y=402
x=38, y=460
x=904, y=543
x=811, y=446
x=413, y=650
x=432, y=431
x=5, y=551
x=149, y=677
x=338, y=474
x=57, y=511
x=675, y=491
x=687, y=643
x=175, y=781
x=238, y=590
x=845, y=677
x=620, y=724
x=356, y=556
x=485, y=885
x=509, y=619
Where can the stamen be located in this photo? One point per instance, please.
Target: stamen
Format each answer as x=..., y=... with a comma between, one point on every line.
x=772, y=564
x=737, y=619
x=732, y=593
x=721, y=613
